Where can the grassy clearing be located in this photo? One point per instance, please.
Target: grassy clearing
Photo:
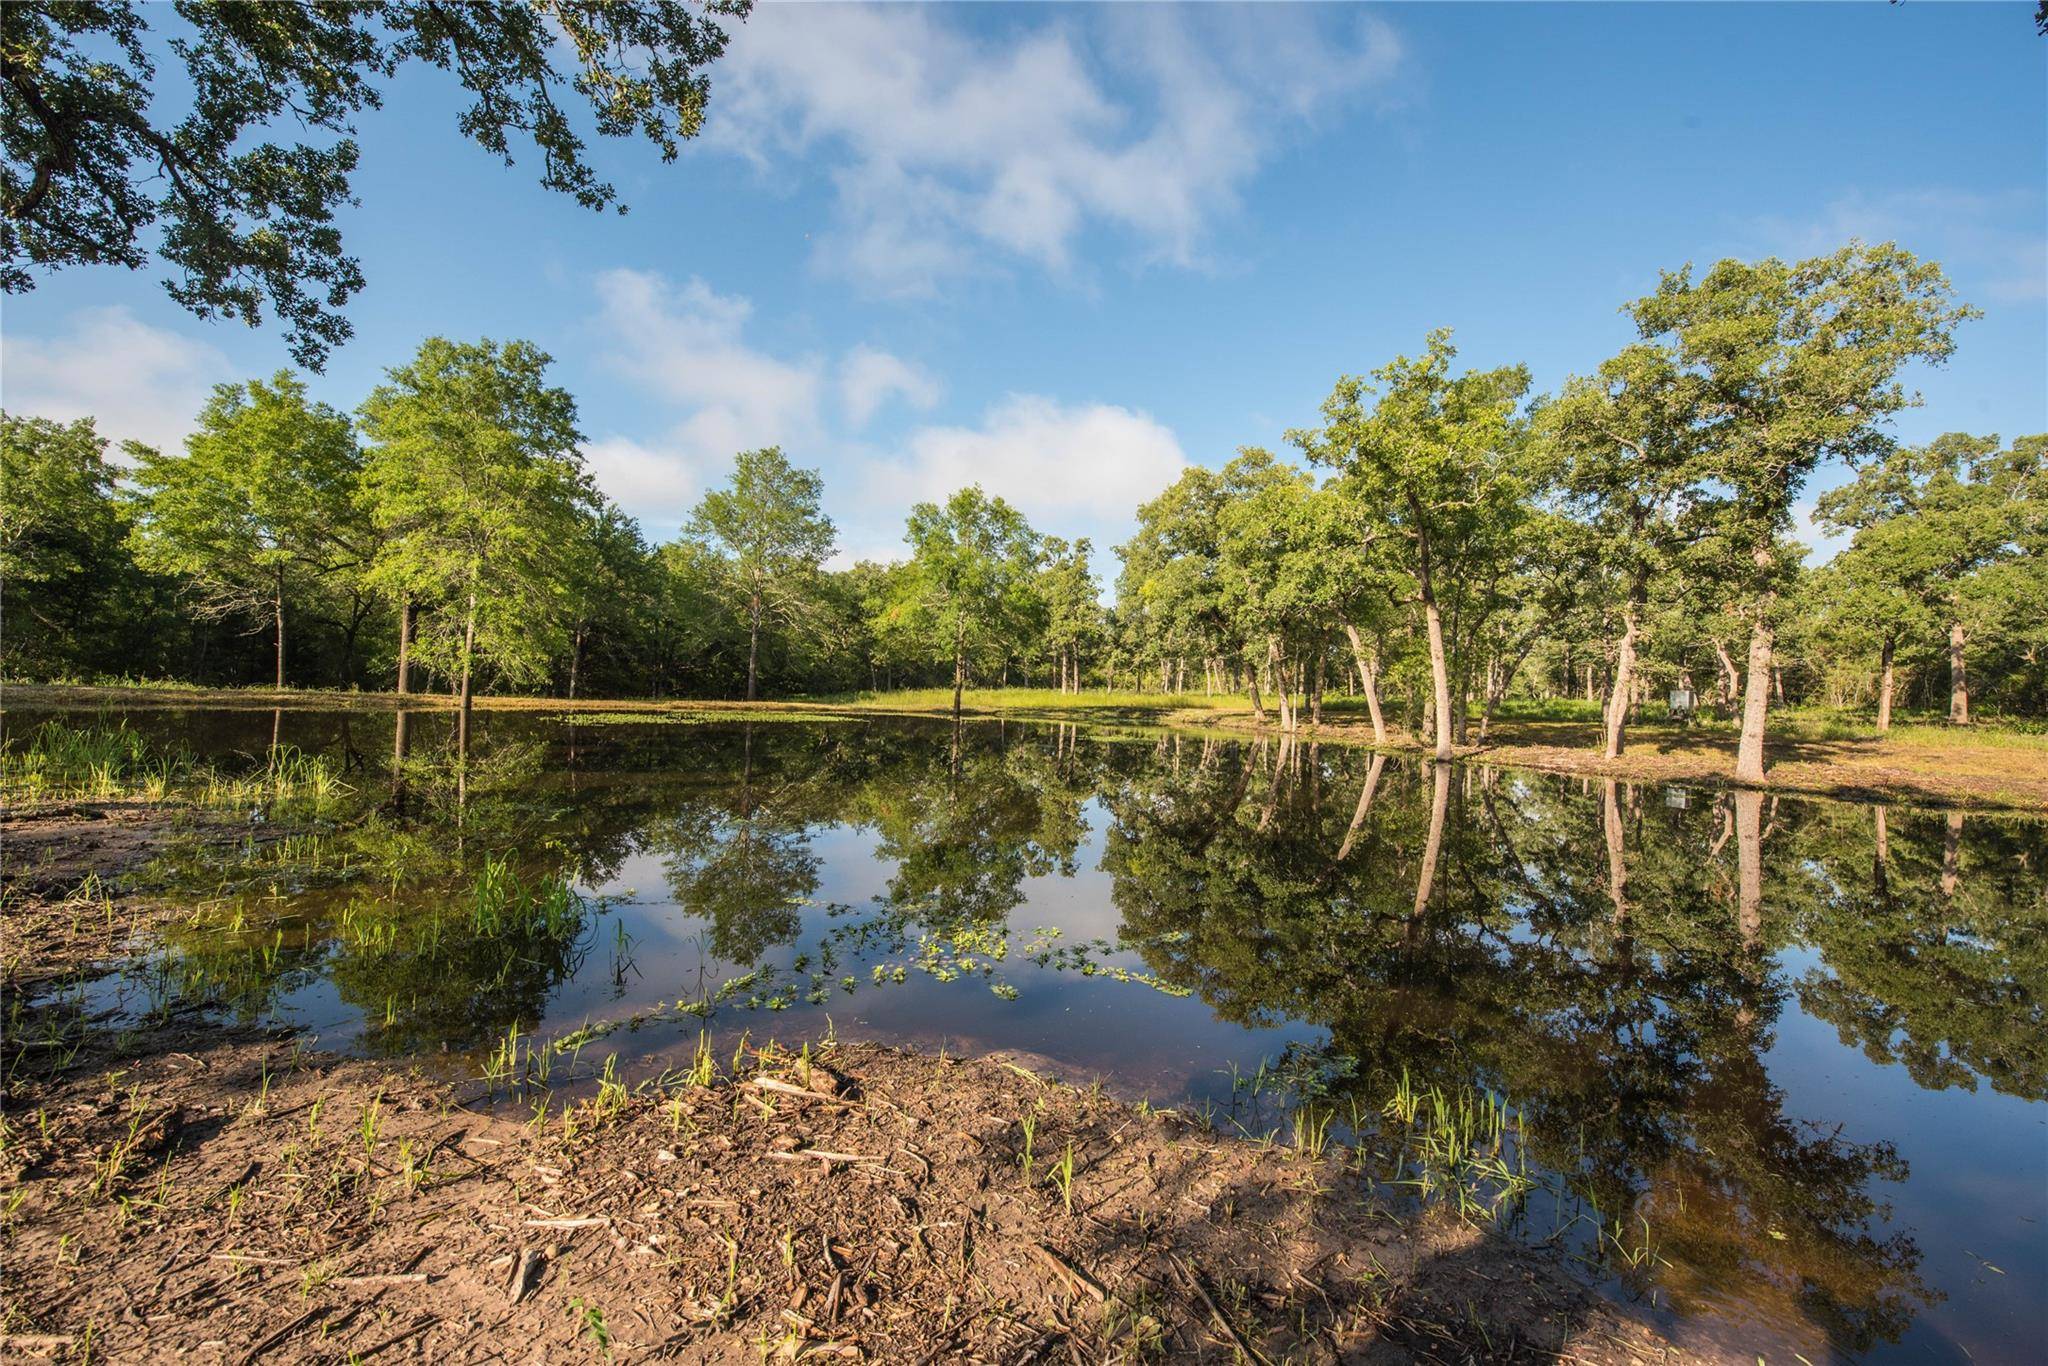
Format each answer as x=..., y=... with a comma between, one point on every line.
x=1036, y=699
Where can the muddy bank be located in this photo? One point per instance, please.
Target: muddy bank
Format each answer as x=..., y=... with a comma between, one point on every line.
x=221, y=1195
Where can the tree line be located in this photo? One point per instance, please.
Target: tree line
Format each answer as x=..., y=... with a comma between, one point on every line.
x=1449, y=540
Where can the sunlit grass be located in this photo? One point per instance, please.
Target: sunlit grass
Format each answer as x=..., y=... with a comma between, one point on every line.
x=101, y=762
x=1042, y=699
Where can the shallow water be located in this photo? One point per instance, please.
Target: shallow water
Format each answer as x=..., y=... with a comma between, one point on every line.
x=1791, y=1054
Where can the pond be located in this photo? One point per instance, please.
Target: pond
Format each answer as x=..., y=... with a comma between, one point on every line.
x=1778, y=1066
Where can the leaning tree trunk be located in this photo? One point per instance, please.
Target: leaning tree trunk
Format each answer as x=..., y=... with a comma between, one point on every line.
x=1958, y=679
x=1440, y=778
x=1884, y=685
x=1368, y=679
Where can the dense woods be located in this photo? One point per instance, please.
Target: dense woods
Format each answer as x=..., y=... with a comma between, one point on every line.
x=1449, y=541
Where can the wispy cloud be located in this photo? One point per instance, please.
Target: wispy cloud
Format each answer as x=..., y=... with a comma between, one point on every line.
x=1073, y=468
x=1994, y=245
x=869, y=378
x=952, y=153
x=142, y=383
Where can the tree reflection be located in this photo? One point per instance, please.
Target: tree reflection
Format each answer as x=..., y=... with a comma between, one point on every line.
x=1600, y=961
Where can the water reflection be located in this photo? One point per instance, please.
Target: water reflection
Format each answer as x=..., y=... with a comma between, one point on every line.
x=1638, y=969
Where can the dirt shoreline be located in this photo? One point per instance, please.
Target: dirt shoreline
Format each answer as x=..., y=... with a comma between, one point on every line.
x=1964, y=777
x=215, y=1194
x=178, y=1188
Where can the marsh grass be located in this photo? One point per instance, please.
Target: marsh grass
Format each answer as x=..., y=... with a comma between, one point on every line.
x=103, y=762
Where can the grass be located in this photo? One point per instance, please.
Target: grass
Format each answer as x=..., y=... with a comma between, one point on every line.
x=104, y=762
x=1997, y=762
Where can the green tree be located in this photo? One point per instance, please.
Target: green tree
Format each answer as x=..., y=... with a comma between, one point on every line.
x=608, y=584
x=91, y=174
x=1631, y=467
x=477, y=486
x=69, y=587
x=1439, y=467
x=1169, y=593
x=767, y=523
x=968, y=582
x=1074, y=617
x=261, y=506
x=1928, y=521
x=1795, y=363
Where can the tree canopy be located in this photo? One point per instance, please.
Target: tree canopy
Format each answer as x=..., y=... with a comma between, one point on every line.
x=91, y=174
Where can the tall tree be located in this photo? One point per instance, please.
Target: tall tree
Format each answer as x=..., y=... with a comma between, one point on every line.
x=1169, y=593
x=968, y=581
x=1795, y=363
x=1073, y=608
x=1438, y=464
x=1928, y=519
x=261, y=506
x=1631, y=467
x=89, y=174
x=767, y=523
x=476, y=483
x=69, y=588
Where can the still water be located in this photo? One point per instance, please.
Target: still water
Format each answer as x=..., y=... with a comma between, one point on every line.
x=1792, y=1054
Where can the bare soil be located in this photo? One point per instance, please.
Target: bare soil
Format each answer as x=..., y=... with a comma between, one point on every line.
x=174, y=1188
x=215, y=1194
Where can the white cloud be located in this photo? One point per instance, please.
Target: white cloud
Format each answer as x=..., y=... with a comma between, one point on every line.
x=1056, y=464
x=1074, y=469
x=142, y=383
x=1992, y=244
x=869, y=378
x=657, y=485
x=942, y=146
x=684, y=345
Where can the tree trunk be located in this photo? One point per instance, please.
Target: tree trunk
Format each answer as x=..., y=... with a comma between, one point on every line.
x=1624, y=678
x=754, y=645
x=1884, y=686
x=575, y=658
x=277, y=605
x=1617, y=865
x=1749, y=867
x=1731, y=680
x=468, y=659
x=1440, y=679
x=408, y=617
x=1958, y=680
x=959, y=674
x=1315, y=685
x=1372, y=783
x=1756, y=699
x=1952, y=854
x=1368, y=679
x=1258, y=705
x=1440, y=775
x=1283, y=687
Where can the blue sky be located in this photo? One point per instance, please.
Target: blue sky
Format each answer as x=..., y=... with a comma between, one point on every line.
x=1065, y=250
